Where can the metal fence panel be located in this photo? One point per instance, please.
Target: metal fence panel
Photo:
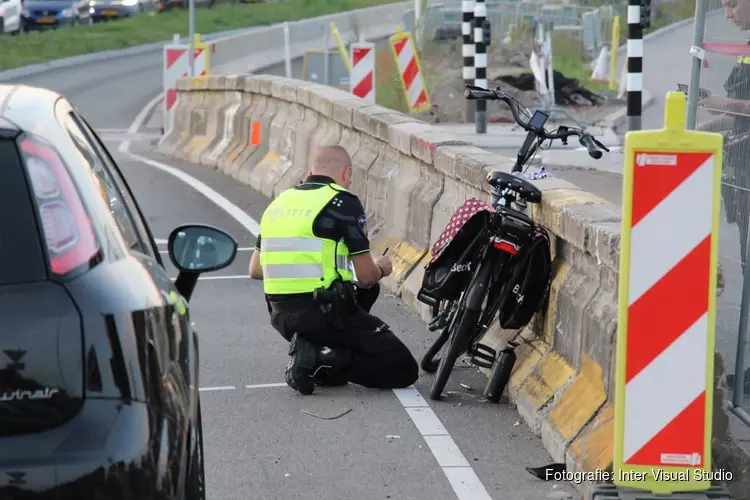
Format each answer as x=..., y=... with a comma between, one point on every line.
x=443, y=19
x=724, y=106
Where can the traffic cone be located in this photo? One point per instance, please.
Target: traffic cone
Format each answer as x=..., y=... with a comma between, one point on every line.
x=601, y=67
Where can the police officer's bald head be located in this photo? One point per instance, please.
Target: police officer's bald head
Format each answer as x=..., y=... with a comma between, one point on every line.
x=333, y=161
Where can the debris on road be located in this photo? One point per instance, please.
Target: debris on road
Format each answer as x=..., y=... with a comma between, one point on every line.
x=327, y=418
x=547, y=472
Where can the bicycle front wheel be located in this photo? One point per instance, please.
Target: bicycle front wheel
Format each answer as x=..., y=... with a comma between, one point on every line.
x=459, y=343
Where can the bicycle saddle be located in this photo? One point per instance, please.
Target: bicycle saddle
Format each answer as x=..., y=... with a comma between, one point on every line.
x=526, y=190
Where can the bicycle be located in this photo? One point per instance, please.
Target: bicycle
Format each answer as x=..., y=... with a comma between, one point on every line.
x=504, y=235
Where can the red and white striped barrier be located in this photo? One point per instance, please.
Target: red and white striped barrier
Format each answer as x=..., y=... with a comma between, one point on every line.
x=668, y=294
x=410, y=70
x=667, y=310
x=177, y=65
x=362, y=76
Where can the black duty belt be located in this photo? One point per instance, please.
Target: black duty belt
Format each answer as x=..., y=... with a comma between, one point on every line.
x=293, y=304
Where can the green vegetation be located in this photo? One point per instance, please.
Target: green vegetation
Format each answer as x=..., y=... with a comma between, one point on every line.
x=145, y=28
x=389, y=89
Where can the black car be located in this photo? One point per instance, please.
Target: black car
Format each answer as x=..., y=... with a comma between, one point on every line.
x=98, y=359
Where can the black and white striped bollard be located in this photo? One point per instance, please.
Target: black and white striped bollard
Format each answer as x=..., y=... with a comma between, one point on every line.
x=467, y=50
x=480, y=64
x=635, y=64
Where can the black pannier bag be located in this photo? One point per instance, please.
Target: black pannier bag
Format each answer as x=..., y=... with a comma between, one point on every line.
x=525, y=291
x=455, y=253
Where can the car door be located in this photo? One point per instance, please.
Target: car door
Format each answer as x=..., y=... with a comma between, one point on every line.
x=173, y=335
x=11, y=10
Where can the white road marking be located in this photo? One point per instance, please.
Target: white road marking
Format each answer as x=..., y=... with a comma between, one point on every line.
x=160, y=241
x=241, y=249
x=219, y=388
x=230, y=208
x=263, y=386
x=212, y=278
x=233, y=277
x=462, y=478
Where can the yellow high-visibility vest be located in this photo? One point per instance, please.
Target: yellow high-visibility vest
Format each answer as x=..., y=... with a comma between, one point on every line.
x=293, y=259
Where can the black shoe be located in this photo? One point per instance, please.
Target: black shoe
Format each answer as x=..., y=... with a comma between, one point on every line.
x=303, y=365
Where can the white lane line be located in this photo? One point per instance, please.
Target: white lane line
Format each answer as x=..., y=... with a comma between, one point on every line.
x=141, y=117
x=464, y=481
x=218, y=388
x=461, y=476
x=263, y=386
x=213, y=278
x=233, y=277
x=230, y=208
x=160, y=241
x=240, y=249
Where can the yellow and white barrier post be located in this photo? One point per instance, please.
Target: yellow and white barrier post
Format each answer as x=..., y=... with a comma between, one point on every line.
x=341, y=46
x=667, y=307
x=410, y=70
x=613, y=53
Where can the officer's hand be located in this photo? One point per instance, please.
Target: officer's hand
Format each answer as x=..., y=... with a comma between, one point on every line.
x=385, y=264
x=715, y=105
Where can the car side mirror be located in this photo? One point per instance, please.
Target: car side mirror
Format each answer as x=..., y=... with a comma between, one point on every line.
x=197, y=248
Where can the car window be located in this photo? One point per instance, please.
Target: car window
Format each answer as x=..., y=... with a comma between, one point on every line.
x=107, y=186
x=141, y=226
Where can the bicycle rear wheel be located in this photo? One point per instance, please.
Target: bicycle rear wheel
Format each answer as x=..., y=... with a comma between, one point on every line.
x=444, y=319
x=463, y=327
x=459, y=341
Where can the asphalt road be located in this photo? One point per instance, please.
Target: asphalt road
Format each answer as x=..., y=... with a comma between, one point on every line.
x=259, y=442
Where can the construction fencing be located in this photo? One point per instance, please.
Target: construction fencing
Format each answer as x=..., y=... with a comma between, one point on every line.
x=721, y=71
x=442, y=19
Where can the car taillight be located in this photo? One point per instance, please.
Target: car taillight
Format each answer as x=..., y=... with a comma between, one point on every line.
x=68, y=233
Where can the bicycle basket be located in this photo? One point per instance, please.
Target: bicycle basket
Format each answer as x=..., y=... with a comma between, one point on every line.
x=524, y=293
x=454, y=253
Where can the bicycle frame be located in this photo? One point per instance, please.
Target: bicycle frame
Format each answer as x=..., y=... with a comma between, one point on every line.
x=491, y=271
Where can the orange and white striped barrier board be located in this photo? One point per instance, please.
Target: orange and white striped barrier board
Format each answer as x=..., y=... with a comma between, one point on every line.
x=667, y=306
x=177, y=65
x=410, y=70
x=362, y=76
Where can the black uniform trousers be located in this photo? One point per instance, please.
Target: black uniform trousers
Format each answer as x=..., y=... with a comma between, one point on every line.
x=378, y=359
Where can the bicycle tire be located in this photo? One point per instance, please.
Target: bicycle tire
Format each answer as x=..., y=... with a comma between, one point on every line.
x=470, y=311
x=428, y=363
x=455, y=348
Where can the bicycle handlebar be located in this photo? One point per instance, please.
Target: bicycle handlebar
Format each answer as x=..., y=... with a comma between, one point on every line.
x=592, y=145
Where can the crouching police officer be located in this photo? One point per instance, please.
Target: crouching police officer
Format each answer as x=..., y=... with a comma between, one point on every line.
x=313, y=243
